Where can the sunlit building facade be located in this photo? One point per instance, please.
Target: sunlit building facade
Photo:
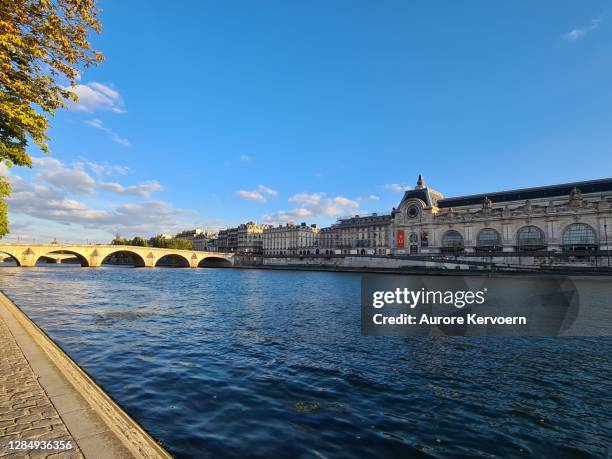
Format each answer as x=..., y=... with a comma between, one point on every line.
x=291, y=240
x=198, y=236
x=357, y=235
x=250, y=238
x=569, y=218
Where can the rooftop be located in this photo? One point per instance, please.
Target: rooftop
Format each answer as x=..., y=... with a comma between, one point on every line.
x=521, y=194
x=363, y=216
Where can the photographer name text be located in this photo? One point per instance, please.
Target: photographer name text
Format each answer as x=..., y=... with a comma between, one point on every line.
x=457, y=299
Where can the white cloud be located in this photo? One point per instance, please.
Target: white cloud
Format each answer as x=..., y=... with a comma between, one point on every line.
x=313, y=205
x=94, y=97
x=107, y=169
x=20, y=226
x=285, y=216
x=245, y=158
x=373, y=197
x=149, y=214
x=260, y=194
x=147, y=217
x=96, y=123
x=267, y=191
x=74, y=180
x=251, y=195
x=54, y=197
x=576, y=34
x=396, y=187
x=143, y=190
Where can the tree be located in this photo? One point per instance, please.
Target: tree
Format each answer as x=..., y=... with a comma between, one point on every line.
x=157, y=241
x=118, y=240
x=43, y=46
x=135, y=241
x=174, y=243
x=5, y=191
x=180, y=244
x=139, y=241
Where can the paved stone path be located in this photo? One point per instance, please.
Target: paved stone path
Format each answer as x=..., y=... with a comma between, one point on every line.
x=26, y=412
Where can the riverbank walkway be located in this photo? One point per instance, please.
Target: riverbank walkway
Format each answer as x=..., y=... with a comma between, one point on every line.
x=39, y=404
x=26, y=411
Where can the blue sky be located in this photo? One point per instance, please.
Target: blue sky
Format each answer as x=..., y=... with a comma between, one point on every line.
x=215, y=113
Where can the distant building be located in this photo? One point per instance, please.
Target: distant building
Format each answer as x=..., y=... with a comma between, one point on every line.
x=199, y=242
x=227, y=240
x=569, y=219
x=165, y=236
x=245, y=239
x=358, y=235
x=249, y=238
x=212, y=244
x=329, y=240
x=205, y=241
x=290, y=239
x=198, y=236
x=192, y=234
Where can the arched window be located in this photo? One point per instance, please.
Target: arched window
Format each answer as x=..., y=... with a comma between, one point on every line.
x=579, y=236
x=488, y=240
x=452, y=241
x=530, y=238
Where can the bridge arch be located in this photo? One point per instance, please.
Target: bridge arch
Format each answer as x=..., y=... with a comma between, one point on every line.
x=172, y=260
x=11, y=257
x=82, y=258
x=124, y=257
x=214, y=262
x=45, y=259
x=94, y=255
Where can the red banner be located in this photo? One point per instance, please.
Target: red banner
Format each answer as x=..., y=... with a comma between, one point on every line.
x=400, y=239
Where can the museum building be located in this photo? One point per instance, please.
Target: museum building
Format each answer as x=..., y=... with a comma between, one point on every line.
x=566, y=218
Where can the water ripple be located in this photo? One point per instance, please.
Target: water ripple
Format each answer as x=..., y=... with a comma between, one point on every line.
x=245, y=363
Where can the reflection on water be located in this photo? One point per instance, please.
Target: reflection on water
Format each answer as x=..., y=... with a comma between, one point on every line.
x=114, y=316
x=249, y=363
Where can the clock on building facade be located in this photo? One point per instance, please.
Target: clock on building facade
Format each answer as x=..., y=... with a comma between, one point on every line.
x=413, y=211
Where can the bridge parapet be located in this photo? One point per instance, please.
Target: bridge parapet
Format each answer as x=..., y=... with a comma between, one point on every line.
x=91, y=255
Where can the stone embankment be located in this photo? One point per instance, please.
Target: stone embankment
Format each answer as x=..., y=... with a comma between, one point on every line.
x=26, y=411
x=51, y=408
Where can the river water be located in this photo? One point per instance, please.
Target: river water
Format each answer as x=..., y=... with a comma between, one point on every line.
x=254, y=363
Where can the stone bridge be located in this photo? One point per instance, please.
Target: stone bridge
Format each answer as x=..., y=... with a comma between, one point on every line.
x=92, y=256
